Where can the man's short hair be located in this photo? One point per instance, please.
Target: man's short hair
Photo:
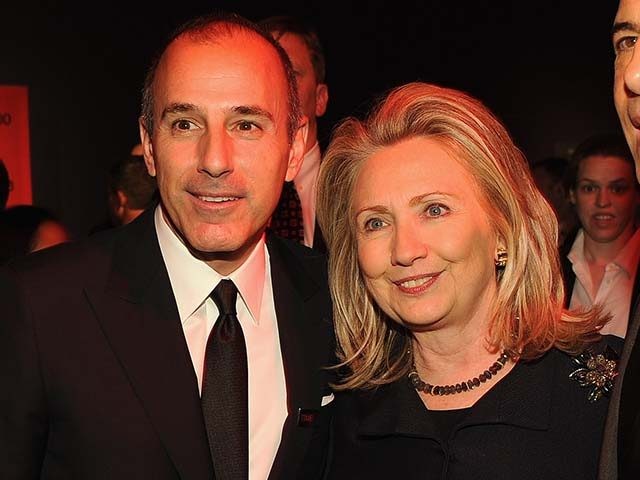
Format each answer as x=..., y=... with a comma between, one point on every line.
x=606, y=145
x=279, y=25
x=131, y=177
x=208, y=28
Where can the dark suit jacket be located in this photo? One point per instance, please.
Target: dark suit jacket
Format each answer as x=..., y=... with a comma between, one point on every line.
x=620, y=454
x=318, y=240
x=97, y=381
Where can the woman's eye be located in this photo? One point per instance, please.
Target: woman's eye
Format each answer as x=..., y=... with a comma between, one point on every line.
x=374, y=224
x=436, y=210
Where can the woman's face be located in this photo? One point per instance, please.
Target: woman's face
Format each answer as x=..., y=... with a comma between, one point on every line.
x=426, y=248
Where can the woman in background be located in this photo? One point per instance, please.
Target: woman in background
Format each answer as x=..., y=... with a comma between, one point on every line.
x=458, y=360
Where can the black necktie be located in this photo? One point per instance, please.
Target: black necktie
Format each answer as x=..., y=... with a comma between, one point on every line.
x=287, y=218
x=224, y=389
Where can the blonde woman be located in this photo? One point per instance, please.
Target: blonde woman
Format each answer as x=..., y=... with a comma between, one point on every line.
x=458, y=360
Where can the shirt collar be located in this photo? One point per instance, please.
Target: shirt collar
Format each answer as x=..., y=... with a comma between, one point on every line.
x=310, y=163
x=192, y=280
x=626, y=259
x=576, y=254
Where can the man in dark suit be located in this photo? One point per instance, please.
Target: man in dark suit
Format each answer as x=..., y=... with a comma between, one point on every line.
x=620, y=457
x=302, y=44
x=186, y=344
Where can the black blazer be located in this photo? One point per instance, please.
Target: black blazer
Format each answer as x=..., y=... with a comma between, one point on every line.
x=97, y=381
x=629, y=416
x=536, y=423
x=318, y=240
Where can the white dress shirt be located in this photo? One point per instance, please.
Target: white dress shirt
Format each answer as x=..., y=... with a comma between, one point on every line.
x=306, y=186
x=192, y=281
x=615, y=290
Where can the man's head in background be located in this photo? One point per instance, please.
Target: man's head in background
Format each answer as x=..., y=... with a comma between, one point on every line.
x=549, y=175
x=304, y=49
x=131, y=189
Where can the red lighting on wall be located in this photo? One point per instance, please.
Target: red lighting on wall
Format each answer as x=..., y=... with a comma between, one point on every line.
x=14, y=141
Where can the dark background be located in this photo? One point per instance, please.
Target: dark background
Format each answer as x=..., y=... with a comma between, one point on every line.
x=544, y=67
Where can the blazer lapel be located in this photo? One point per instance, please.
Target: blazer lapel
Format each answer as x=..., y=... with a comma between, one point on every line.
x=305, y=338
x=139, y=317
x=318, y=240
x=614, y=428
x=629, y=390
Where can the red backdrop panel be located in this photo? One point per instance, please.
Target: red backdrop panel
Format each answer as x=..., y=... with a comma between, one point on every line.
x=14, y=141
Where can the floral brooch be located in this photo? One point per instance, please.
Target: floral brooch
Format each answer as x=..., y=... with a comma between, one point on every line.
x=596, y=371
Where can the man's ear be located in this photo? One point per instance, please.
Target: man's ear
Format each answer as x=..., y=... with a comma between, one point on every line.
x=147, y=148
x=322, y=98
x=122, y=198
x=296, y=151
x=572, y=196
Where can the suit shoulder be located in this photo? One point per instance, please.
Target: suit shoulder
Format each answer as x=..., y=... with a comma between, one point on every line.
x=65, y=262
x=307, y=258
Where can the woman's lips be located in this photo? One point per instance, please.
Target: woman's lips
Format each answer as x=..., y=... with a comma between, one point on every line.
x=417, y=284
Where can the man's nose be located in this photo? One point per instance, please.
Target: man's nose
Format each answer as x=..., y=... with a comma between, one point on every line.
x=215, y=153
x=632, y=71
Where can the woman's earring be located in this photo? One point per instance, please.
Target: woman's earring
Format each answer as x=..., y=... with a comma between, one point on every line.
x=501, y=258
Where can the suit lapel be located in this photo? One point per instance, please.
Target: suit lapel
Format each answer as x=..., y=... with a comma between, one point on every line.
x=630, y=388
x=139, y=317
x=302, y=311
x=318, y=240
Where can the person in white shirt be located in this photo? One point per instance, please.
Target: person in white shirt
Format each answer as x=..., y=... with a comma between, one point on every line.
x=602, y=259
x=302, y=44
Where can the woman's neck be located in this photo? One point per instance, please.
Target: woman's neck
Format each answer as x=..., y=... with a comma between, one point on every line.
x=455, y=356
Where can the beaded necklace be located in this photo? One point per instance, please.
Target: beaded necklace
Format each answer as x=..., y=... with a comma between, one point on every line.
x=470, y=384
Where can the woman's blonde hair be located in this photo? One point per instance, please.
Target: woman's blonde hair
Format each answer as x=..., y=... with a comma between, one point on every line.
x=528, y=317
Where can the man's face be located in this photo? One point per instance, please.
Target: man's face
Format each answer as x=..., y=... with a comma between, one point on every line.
x=605, y=197
x=220, y=147
x=626, y=90
x=313, y=95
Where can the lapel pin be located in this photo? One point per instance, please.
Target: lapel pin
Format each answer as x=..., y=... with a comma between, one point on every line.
x=306, y=417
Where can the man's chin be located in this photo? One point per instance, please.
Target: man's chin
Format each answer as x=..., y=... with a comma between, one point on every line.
x=221, y=244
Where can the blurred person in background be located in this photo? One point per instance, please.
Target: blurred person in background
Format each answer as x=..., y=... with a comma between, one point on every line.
x=600, y=261
x=27, y=228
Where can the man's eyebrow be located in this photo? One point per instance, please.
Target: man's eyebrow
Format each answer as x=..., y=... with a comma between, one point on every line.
x=174, y=108
x=253, y=111
x=619, y=26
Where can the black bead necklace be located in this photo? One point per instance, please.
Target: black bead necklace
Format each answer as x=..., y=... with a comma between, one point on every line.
x=475, y=382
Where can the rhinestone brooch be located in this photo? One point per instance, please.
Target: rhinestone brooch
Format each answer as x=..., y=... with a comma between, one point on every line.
x=596, y=371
